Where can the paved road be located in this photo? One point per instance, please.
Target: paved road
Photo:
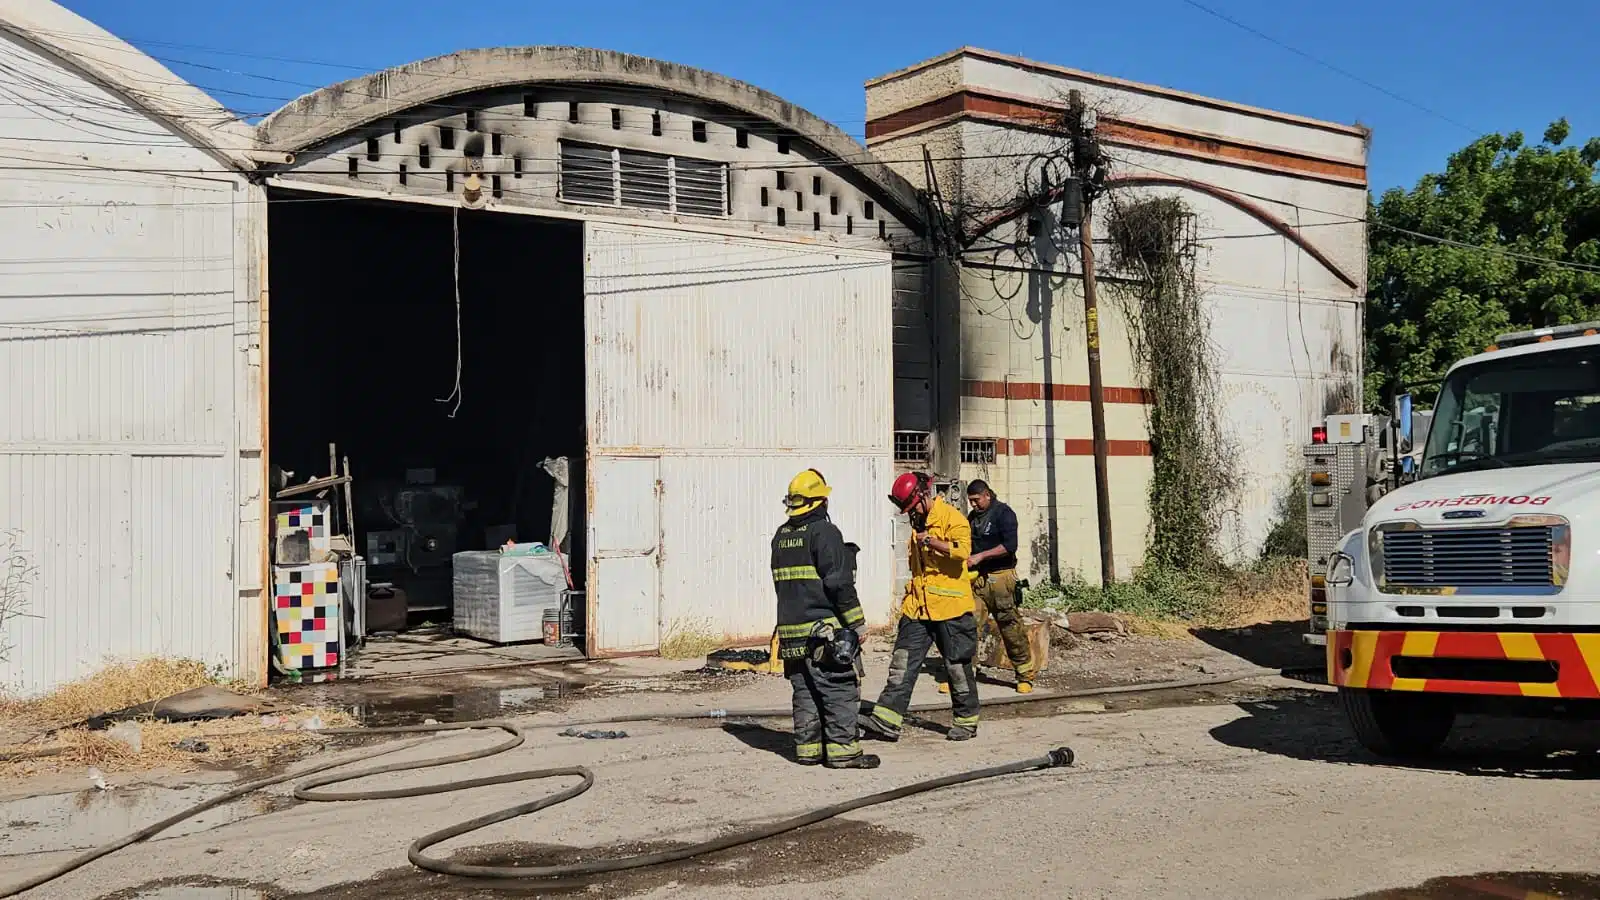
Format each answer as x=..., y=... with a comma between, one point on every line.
x=1256, y=798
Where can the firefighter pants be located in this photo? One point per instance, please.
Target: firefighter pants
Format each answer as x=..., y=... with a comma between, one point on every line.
x=826, y=703
x=957, y=640
x=996, y=594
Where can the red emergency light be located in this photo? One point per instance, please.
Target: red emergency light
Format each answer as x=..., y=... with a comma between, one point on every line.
x=1319, y=434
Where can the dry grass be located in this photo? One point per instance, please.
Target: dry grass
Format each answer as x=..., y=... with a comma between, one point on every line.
x=239, y=740
x=688, y=639
x=115, y=687
x=242, y=741
x=1278, y=593
x=1158, y=628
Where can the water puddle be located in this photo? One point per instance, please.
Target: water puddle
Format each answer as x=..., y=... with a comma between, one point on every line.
x=54, y=822
x=457, y=706
x=818, y=853
x=455, y=699
x=196, y=892
x=1499, y=886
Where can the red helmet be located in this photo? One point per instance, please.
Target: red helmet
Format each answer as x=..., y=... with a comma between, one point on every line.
x=907, y=489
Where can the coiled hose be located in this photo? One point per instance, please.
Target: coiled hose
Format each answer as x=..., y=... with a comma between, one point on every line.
x=307, y=790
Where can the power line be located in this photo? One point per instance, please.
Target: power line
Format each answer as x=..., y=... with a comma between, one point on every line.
x=1347, y=219
x=818, y=162
x=735, y=116
x=1331, y=67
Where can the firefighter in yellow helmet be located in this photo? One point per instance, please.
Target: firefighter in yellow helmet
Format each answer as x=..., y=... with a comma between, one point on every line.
x=820, y=625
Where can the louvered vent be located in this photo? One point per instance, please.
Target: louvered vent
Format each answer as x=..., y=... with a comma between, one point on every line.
x=603, y=176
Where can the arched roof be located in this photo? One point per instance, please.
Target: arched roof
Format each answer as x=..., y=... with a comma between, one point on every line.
x=343, y=107
x=131, y=74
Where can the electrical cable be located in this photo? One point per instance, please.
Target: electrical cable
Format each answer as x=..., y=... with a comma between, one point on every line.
x=1330, y=66
x=455, y=274
x=307, y=790
x=867, y=158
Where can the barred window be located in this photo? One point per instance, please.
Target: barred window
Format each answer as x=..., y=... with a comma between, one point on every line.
x=610, y=176
x=913, y=447
x=978, y=450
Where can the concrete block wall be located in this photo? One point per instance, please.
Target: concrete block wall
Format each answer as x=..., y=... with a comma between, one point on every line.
x=1043, y=442
x=1280, y=260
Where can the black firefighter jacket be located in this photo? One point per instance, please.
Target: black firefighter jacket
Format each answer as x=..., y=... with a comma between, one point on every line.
x=814, y=574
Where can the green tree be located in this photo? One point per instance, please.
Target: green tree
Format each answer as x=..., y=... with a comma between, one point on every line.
x=1431, y=303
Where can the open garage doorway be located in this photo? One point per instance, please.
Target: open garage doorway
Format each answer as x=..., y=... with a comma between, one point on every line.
x=441, y=351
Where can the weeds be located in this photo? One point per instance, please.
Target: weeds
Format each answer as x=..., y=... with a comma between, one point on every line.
x=688, y=639
x=1193, y=479
x=1287, y=539
x=17, y=572
x=114, y=687
x=1272, y=590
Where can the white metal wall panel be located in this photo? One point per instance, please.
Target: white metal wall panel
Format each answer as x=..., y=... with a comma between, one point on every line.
x=738, y=362
x=727, y=508
x=698, y=341
x=127, y=313
x=180, y=528
x=69, y=514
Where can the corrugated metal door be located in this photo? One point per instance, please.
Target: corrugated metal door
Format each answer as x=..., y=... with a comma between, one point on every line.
x=625, y=559
x=737, y=362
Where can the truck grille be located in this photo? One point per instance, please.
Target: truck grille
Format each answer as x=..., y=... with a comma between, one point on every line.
x=1468, y=557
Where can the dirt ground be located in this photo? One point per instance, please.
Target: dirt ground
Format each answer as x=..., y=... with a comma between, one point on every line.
x=1248, y=790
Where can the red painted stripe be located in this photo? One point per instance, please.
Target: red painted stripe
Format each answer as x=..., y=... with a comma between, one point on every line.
x=1470, y=645
x=1085, y=447
x=1572, y=672
x=1034, y=390
x=1044, y=114
x=1381, y=676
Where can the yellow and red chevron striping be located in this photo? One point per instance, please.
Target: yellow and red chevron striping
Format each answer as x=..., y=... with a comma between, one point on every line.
x=1365, y=659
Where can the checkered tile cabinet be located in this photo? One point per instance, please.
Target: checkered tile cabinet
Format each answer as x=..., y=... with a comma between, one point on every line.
x=306, y=607
x=310, y=516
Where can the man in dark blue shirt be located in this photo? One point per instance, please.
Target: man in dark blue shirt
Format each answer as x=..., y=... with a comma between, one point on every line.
x=994, y=558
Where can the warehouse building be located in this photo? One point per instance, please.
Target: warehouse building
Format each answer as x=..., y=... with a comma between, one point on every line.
x=1277, y=204
x=453, y=272
x=432, y=289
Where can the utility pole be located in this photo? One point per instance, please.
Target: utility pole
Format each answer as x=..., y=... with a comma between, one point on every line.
x=1085, y=160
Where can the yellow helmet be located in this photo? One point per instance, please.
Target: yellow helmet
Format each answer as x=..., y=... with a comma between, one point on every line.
x=807, y=491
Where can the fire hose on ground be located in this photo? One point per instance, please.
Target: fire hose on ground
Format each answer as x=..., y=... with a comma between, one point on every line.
x=307, y=790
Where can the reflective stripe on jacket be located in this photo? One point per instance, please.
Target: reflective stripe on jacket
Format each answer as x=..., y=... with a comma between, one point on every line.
x=939, y=588
x=813, y=574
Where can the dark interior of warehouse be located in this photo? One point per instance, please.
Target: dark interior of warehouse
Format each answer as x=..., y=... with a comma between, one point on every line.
x=363, y=354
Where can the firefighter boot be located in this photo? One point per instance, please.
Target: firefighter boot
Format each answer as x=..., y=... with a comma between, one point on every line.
x=960, y=733
x=864, y=761
x=871, y=727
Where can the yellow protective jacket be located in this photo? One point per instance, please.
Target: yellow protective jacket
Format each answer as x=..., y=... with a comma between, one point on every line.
x=939, y=588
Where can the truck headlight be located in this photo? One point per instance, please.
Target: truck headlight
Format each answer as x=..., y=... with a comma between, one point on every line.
x=1341, y=569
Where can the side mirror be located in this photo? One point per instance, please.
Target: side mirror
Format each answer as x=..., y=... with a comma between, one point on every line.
x=1402, y=419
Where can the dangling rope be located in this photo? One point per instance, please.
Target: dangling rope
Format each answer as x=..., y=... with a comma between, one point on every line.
x=455, y=238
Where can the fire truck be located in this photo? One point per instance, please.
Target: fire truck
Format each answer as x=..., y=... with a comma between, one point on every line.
x=1443, y=574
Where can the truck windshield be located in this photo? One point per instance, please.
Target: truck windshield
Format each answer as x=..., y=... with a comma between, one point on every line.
x=1529, y=410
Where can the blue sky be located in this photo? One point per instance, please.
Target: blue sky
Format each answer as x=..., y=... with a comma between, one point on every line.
x=1478, y=67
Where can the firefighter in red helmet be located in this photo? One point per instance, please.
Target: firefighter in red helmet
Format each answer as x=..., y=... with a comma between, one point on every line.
x=937, y=611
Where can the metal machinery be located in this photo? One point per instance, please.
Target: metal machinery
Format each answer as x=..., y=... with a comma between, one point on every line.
x=1348, y=466
x=413, y=539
